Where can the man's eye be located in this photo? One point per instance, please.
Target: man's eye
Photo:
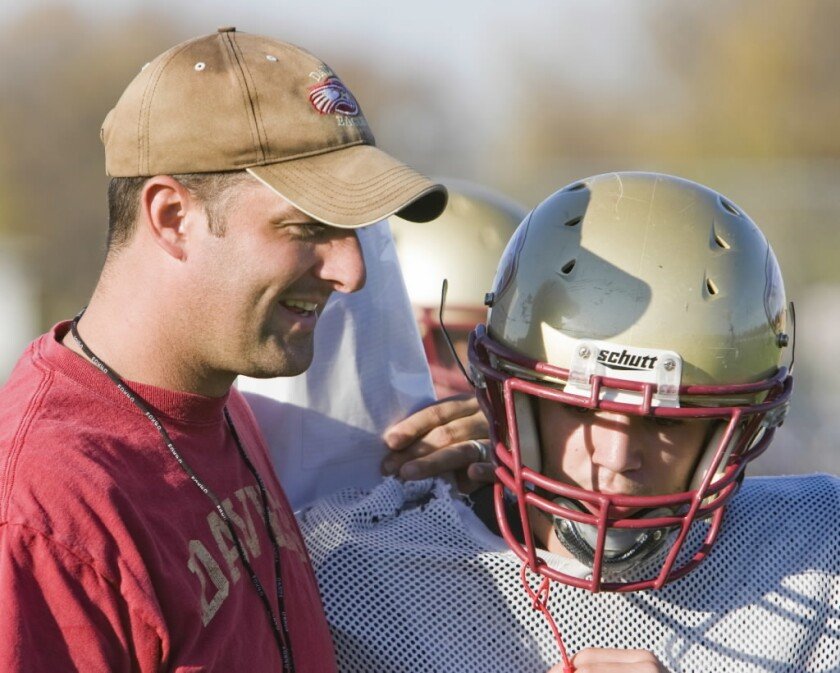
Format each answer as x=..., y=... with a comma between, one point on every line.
x=308, y=232
x=667, y=422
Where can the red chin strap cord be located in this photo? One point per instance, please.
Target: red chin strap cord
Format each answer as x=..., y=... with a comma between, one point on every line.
x=539, y=601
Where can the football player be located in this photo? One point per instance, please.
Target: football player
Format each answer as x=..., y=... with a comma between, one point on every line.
x=636, y=357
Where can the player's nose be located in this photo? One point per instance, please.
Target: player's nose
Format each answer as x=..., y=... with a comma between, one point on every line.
x=617, y=446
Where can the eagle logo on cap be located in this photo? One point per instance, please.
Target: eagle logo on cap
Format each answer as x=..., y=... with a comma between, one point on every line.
x=330, y=96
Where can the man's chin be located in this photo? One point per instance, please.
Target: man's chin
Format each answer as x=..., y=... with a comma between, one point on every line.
x=287, y=365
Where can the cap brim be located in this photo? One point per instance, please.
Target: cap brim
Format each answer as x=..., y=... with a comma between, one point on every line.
x=353, y=187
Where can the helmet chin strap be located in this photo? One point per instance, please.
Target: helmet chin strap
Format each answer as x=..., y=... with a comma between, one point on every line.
x=623, y=548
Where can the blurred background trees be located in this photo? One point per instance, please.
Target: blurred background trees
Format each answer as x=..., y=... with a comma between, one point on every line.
x=742, y=95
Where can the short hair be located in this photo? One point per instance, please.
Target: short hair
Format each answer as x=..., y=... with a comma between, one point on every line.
x=212, y=190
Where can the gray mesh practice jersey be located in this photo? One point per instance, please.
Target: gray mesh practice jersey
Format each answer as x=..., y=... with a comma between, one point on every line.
x=412, y=581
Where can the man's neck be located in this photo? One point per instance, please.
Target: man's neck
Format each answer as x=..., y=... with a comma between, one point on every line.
x=142, y=351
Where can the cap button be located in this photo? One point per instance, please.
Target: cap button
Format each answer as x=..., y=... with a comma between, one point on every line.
x=226, y=29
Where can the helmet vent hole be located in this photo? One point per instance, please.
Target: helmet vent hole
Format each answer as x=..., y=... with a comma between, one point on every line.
x=574, y=222
x=729, y=207
x=711, y=288
x=567, y=267
x=721, y=242
x=575, y=187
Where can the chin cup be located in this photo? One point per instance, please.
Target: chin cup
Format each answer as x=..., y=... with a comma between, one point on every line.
x=624, y=548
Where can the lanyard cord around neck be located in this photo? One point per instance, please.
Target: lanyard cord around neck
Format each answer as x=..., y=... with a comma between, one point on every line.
x=280, y=627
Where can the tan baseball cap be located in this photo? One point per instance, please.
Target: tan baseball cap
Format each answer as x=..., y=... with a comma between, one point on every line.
x=232, y=101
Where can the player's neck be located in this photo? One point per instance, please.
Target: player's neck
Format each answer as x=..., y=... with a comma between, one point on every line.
x=541, y=526
x=543, y=529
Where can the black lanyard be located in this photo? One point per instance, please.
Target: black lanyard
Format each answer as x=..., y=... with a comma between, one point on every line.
x=281, y=626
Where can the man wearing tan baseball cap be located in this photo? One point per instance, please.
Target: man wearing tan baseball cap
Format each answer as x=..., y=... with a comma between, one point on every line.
x=233, y=101
x=142, y=527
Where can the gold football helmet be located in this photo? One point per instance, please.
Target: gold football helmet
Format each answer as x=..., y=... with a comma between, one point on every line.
x=463, y=246
x=644, y=295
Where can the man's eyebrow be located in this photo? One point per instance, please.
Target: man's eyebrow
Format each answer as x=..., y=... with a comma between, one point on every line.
x=296, y=218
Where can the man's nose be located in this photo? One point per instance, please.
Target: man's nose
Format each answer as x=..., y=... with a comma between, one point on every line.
x=616, y=446
x=342, y=263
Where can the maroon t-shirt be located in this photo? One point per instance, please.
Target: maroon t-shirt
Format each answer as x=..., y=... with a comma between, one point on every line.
x=111, y=559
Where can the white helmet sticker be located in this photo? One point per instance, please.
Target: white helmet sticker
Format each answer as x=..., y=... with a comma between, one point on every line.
x=645, y=365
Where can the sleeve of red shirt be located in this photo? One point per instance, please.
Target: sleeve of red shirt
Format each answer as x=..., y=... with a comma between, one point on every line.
x=58, y=614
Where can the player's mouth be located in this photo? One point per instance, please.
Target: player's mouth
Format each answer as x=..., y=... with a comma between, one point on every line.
x=615, y=511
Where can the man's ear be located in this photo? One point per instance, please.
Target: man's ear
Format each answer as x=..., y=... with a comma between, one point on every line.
x=165, y=208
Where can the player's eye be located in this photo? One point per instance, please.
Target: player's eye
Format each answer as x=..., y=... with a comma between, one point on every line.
x=576, y=409
x=667, y=422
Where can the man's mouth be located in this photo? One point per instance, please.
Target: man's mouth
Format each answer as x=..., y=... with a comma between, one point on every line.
x=300, y=307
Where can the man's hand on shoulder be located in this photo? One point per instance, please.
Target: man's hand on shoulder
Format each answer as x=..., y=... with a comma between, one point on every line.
x=440, y=438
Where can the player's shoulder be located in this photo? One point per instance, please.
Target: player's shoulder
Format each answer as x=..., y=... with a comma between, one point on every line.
x=791, y=513
x=777, y=531
x=390, y=505
x=796, y=491
x=368, y=506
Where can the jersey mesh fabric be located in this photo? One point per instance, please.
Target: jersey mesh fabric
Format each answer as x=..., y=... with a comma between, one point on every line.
x=412, y=581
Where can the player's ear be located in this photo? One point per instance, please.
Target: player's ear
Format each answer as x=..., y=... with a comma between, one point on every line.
x=166, y=208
